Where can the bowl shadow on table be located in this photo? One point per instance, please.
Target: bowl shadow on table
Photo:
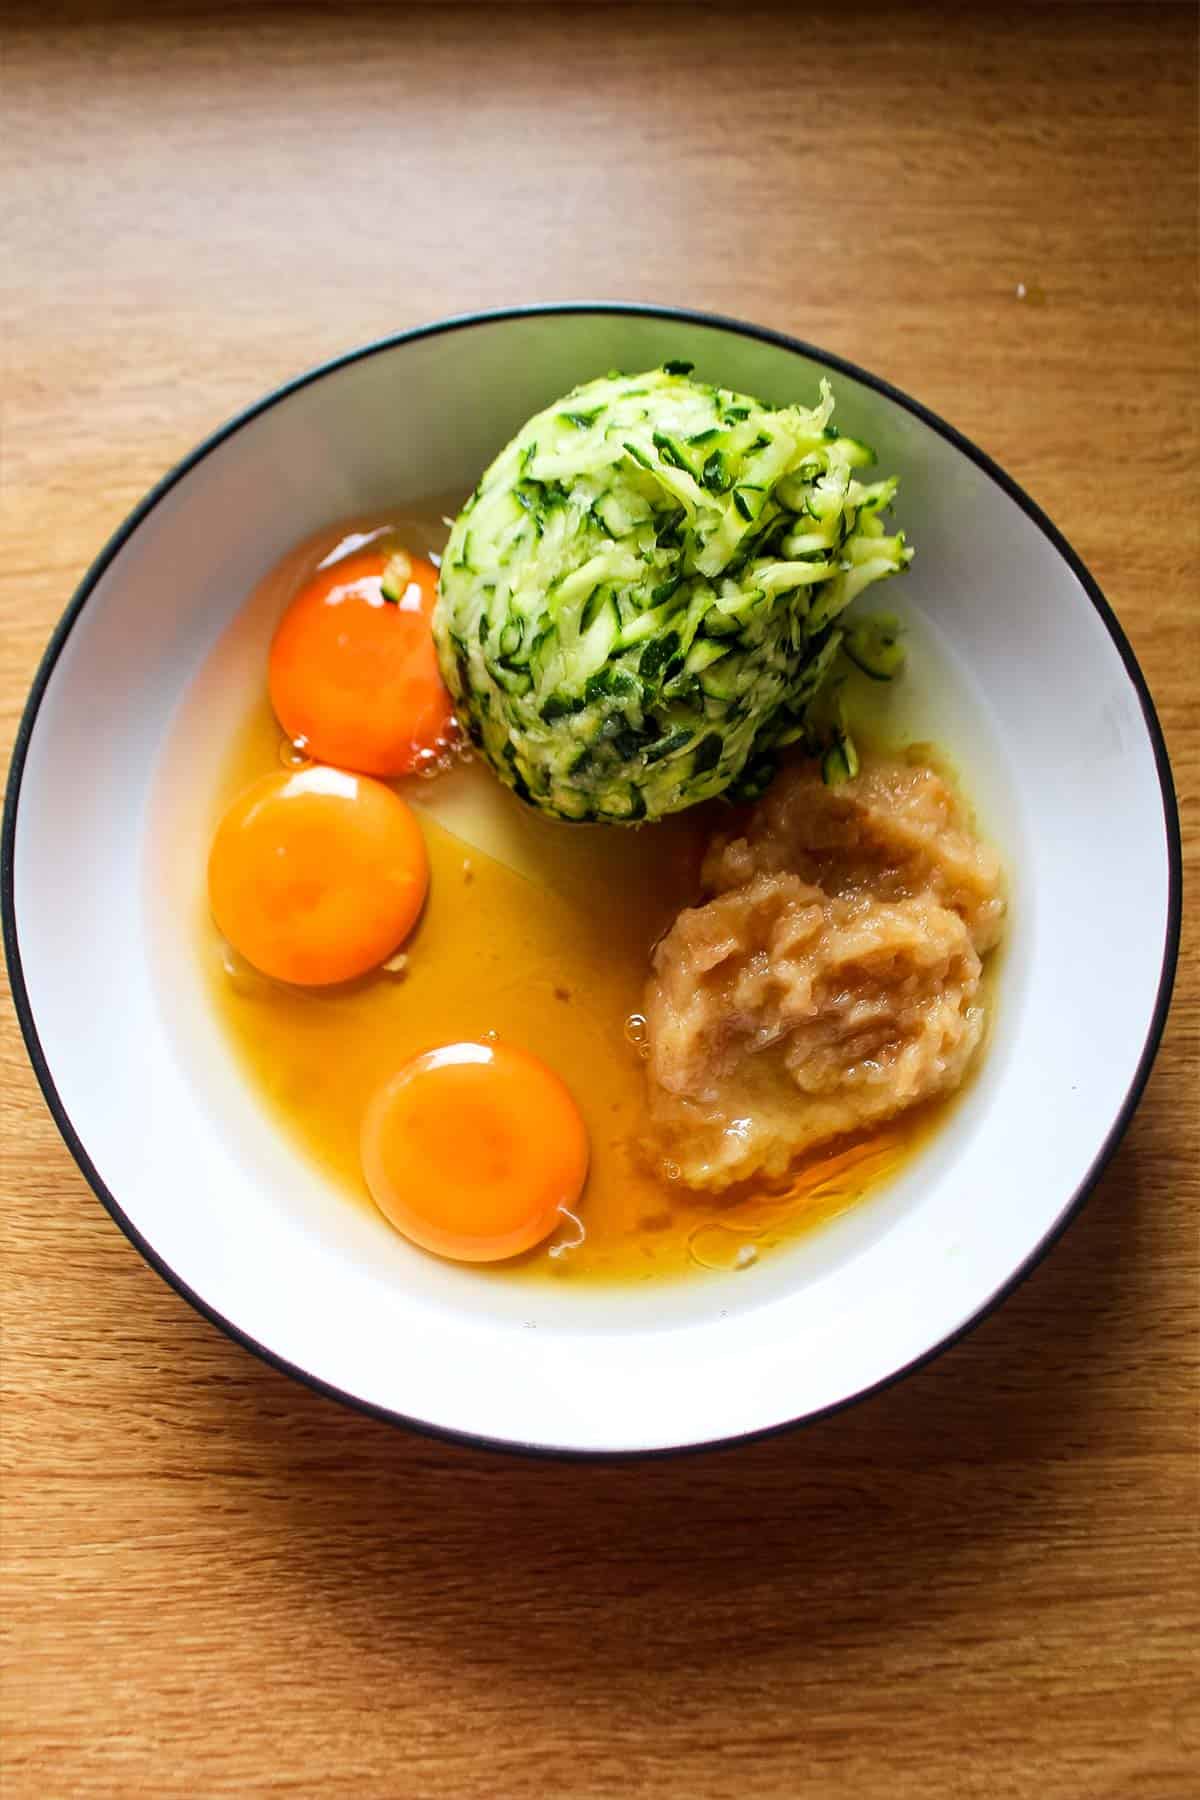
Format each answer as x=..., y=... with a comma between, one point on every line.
x=856, y=1527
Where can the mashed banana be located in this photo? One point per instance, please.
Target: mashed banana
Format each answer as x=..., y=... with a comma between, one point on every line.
x=831, y=979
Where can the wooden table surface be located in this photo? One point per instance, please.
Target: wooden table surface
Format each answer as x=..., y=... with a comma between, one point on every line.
x=981, y=1583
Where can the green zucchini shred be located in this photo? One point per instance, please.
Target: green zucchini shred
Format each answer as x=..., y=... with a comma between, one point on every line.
x=875, y=646
x=840, y=761
x=640, y=610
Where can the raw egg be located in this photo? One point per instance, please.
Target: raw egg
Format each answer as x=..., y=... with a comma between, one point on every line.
x=317, y=876
x=474, y=1150
x=353, y=673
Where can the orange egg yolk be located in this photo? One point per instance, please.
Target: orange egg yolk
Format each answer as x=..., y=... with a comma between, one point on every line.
x=354, y=675
x=317, y=876
x=474, y=1150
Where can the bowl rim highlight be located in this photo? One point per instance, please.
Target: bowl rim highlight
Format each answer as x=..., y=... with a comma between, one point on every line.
x=464, y=323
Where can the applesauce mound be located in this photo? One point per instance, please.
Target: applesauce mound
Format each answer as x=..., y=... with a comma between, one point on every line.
x=830, y=980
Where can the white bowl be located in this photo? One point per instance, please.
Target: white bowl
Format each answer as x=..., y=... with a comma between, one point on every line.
x=1020, y=668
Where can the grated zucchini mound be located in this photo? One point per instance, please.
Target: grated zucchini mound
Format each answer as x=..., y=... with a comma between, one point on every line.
x=637, y=605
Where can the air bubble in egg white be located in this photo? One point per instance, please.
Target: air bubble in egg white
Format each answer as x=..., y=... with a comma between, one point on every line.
x=294, y=753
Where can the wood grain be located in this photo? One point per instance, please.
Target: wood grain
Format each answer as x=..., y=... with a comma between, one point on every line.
x=982, y=1583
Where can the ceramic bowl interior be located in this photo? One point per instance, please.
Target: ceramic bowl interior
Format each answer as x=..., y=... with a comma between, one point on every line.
x=1018, y=667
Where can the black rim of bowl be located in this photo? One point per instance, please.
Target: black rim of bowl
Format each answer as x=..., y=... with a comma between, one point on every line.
x=466, y=322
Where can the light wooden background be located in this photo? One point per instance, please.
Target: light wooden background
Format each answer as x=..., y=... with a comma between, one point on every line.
x=982, y=1583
